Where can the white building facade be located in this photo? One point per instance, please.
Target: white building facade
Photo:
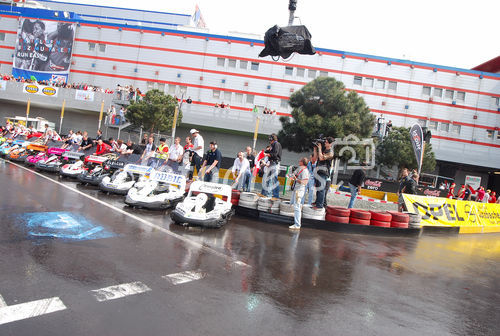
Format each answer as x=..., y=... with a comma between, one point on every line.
x=160, y=50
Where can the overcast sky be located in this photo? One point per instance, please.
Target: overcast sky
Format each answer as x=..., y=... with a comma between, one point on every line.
x=457, y=33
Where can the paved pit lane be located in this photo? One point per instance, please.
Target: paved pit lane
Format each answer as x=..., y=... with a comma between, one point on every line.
x=75, y=261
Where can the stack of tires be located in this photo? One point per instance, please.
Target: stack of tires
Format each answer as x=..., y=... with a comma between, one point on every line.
x=399, y=220
x=248, y=200
x=308, y=211
x=380, y=218
x=336, y=214
x=235, y=197
x=359, y=217
x=415, y=220
x=275, y=208
x=264, y=204
x=286, y=209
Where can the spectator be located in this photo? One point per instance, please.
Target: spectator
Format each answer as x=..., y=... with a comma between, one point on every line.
x=480, y=194
x=132, y=148
x=186, y=158
x=212, y=161
x=300, y=179
x=161, y=154
x=451, y=191
x=198, y=147
x=355, y=183
x=176, y=152
x=311, y=168
x=102, y=148
x=250, y=157
x=241, y=172
x=144, y=139
x=461, y=192
x=147, y=156
x=493, y=197
x=86, y=143
x=189, y=100
x=487, y=195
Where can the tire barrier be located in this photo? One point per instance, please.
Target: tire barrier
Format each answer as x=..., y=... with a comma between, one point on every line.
x=311, y=216
x=286, y=207
x=400, y=217
x=415, y=220
x=288, y=214
x=379, y=223
x=338, y=211
x=381, y=216
x=354, y=220
x=401, y=225
x=360, y=214
x=245, y=204
x=337, y=219
x=249, y=197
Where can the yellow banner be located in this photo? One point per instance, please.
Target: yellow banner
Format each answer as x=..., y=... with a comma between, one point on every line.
x=437, y=211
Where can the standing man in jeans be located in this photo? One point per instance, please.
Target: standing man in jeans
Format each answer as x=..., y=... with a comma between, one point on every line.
x=355, y=183
x=301, y=176
x=212, y=161
x=324, y=164
x=274, y=156
x=198, y=146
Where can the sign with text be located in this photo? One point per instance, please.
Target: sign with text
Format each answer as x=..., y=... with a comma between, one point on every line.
x=42, y=90
x=84, y=95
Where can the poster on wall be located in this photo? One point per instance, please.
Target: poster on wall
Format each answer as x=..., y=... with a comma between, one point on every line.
x=84, y=95
x=473, y=181
x=42, y=90
x=43, y=50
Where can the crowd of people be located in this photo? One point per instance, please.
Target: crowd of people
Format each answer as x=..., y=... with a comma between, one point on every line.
x=468, y=193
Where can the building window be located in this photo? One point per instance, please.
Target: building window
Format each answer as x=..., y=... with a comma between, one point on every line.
x=232, y=63
x=433, y=125
x=284, y=103
x=311, y=73
x=426, y=91
x=224, y=95
x=448, y=94
x=369, y=82
x=422, y=122
x=358, y=80
x=460, y=95
x=91, y=46
x=221, y=61
x=216, y=94
x=323, y=73
x=438, y=92
x=2, y=36
x=445, y=127
x=456, y=129
x=489, y=134
x=496, y=101
x=161, y=87
x=238, y=97
x=289, y=71
x=255, y=66
x=380, y=84
x=301, y=72
x=102, y=47
x=172, y=89
x=393, y=86
x=250, y=98
x=243, y=65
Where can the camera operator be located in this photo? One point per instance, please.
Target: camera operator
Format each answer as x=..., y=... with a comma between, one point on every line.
x=324, y=157
x=274, y=156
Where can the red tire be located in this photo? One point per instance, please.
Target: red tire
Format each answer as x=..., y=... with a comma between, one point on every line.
x=354, y=220
x=401, y=225
x=337, y=219
x=399, y=216
x=234, y=201
x=360, y=214
x=381, y=216
x=379, y=223
x=338, y=211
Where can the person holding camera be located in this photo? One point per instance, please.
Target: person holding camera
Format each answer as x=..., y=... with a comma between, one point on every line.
x=274, y=156
x=299, y=182
x=324, y=158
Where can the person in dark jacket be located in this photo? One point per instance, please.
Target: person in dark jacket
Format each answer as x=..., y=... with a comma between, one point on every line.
x=274, y=157
x=355, y=183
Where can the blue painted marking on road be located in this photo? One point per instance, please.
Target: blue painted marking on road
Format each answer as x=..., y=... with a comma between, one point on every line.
x=63, y=225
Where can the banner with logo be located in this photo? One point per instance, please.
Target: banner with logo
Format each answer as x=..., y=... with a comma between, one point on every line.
x=42, y=90
x=417, y=141
x=43, y=50
x=449, y=212
x=3, y=85
x=84, y=95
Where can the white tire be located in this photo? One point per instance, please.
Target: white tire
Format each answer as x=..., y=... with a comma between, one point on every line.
x=250, y=205
x=263, y=209
x=249, y=197
x=309, y=216
x=265, y=202
x=288, y=214
x=308, y=209
x=285, y=206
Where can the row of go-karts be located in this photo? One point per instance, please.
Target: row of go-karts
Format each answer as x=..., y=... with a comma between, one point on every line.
x=204, y=204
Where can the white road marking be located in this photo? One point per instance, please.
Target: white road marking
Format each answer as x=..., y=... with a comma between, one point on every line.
x=184, y=239
x=30, y=309
x=2, y=302
x=119, y=291
x=183, y=277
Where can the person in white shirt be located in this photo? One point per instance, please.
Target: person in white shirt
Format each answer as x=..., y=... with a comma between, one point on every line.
x=198, y=149
x=300, y=178
x=147, y=157
x=175, y=158
x=241, y=171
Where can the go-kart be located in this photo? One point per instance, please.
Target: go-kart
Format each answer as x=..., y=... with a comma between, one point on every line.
x=94, y=169
x=161, y=191
x=124, y=179
x=72, y=164
x=53, y=162
x=8, y=146
x=207, y=205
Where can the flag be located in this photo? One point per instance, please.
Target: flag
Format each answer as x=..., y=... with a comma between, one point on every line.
x=198, y=18
x=417, y=141
x=33, y=78
x=259, y=157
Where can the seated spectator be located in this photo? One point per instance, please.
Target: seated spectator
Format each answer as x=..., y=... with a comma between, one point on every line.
x=86, y=143
x=102, y=148
x=132, y=148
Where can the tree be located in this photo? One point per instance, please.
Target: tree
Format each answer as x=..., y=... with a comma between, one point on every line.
x=323, y=106
x=155, y=112
x=396, y=149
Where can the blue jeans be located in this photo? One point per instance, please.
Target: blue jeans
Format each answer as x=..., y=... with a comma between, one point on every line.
x=244, y=181
x=212, y=176
x=270, y=180
x=297, y=198
x=321, y=191
x=310, y=189
x=354, y=193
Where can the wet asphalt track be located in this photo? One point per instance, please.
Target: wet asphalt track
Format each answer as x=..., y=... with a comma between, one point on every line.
x=251, y=278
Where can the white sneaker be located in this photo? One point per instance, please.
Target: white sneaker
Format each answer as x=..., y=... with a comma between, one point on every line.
x=294, y=227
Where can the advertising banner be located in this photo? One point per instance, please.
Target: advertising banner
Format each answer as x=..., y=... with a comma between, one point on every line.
x=449, y=212
x=473, y=181
x=3, y=85
x=43, y=50
x=42, y=90
x=417, y=141
x=84, y=95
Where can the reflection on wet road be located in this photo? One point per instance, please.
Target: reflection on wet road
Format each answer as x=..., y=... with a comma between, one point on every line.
x=138, y=279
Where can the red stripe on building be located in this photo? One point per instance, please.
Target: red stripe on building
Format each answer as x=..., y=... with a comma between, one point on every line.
x=466, y=141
